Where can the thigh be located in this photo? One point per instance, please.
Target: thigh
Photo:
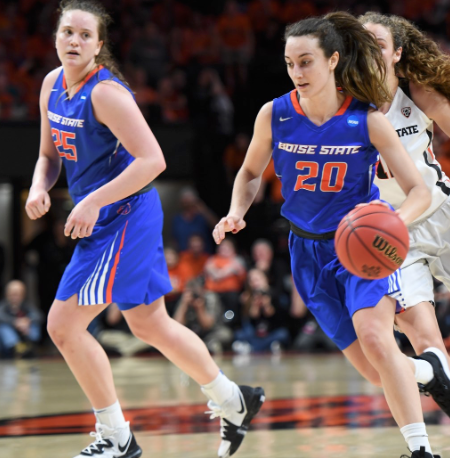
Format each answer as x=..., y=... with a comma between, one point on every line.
x=68, y=315
x=149, y=316
x=420, y=325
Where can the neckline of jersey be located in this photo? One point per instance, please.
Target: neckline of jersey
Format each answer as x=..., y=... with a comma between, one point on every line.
x=299, y=110
x=85, y=79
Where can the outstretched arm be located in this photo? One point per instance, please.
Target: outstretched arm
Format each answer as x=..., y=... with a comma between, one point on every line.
x=248, y=179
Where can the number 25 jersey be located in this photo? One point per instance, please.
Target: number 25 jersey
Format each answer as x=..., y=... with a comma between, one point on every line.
x=91, y=154
x=324, y=170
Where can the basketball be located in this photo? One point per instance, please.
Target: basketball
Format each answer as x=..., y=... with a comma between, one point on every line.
x=371, y=241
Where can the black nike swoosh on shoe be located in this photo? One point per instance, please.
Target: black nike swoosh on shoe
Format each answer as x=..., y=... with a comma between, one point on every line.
x=242, y=404
x=122, y=449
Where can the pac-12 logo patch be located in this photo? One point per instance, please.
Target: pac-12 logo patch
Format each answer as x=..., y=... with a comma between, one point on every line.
x=406, y=111
x=124, y=209
x=352, y=121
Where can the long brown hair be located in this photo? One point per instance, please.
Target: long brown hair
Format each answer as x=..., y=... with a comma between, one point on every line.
x=105, y=56
x=360, y=70
x=422, y=61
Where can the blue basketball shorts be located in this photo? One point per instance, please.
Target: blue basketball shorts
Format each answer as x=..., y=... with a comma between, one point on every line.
x=331, y=292
x=123, y=260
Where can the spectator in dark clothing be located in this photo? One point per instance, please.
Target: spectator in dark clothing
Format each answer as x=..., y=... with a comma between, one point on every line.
x=19, y=322
x=194, y=218
x=202, y=311
x=263, y=323
x=49, y=253
x=276, y=269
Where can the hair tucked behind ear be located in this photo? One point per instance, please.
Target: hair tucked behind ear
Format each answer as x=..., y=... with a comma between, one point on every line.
x=105, y=56
x=360, y=70
x=422, y=61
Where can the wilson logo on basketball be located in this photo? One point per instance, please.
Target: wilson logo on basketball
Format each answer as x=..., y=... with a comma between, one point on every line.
x=406, y=111
x=388, y=250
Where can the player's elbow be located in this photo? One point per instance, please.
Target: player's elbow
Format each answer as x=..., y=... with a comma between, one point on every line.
x=158, y=165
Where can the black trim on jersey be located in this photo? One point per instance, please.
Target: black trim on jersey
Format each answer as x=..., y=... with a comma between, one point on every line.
x=444, y=188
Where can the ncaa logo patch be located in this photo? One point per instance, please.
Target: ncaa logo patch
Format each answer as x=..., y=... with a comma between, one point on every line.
x=124, y=209
x=406, y=111
x=353, y=121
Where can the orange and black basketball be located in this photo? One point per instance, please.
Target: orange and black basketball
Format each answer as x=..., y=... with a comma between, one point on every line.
x=371, y=241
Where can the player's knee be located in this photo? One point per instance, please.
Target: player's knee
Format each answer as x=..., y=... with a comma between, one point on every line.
x=55, y=331
x=374, y=345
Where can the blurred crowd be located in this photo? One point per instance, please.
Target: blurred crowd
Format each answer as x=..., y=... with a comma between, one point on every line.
x=203, y=64
x=238, y=298
x=209, y=65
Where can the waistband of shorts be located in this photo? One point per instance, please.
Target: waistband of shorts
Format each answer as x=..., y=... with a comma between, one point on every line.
x=146, y=188
x=309, y=235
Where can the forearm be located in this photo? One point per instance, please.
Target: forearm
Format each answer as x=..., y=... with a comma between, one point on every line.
x=245, y=188
x=417, y=201
x=138, y=174
x=46, y=173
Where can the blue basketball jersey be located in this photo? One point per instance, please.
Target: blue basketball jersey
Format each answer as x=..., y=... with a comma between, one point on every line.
x=91, y=154
x=325, y=170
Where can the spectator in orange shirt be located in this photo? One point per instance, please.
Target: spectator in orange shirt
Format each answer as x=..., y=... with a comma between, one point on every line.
x=236, y=37
x=192, y=261
x=176, y=278
x=225, y=274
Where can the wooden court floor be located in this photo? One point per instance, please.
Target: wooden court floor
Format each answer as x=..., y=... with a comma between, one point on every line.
x=317, y=406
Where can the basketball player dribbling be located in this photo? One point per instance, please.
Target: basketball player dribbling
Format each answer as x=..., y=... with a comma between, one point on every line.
x=325, y=145
x=91, y=123
x=421, y=97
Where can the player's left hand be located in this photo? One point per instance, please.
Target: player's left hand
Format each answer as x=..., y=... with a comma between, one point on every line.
x=82, y=219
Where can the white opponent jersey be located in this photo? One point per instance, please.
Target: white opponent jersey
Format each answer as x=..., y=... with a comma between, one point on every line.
x=415, y=130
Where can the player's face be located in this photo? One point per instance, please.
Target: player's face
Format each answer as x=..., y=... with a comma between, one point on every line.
x=307, y=66
x=77, y=40
x=384, y=38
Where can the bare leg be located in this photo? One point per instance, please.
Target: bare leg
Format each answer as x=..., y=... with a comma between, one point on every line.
x=374, y=329
x=420, y=325
x=186, y=350
x=67, y=326
x=356, y=356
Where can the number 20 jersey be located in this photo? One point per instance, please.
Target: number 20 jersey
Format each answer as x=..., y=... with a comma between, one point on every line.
x=324, y=170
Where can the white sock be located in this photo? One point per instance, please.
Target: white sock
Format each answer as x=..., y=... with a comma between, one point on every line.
x=220, y=389
x=424, y=371
x=416, y=436
x=111, y=416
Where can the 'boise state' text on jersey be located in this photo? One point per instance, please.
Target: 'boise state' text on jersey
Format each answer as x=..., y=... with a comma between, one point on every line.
x=92, y=155
x=325, y=170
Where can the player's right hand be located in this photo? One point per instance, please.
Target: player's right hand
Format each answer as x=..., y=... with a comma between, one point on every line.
x=38, y=203
x=229, y=223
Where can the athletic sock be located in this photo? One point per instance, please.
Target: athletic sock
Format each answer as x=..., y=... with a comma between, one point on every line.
x=416, y=436
x=221, y=389
x=111, y=416
x=424, y=371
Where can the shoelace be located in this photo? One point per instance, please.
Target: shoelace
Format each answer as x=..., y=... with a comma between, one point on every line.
x=216, y=410
x=100, y=442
